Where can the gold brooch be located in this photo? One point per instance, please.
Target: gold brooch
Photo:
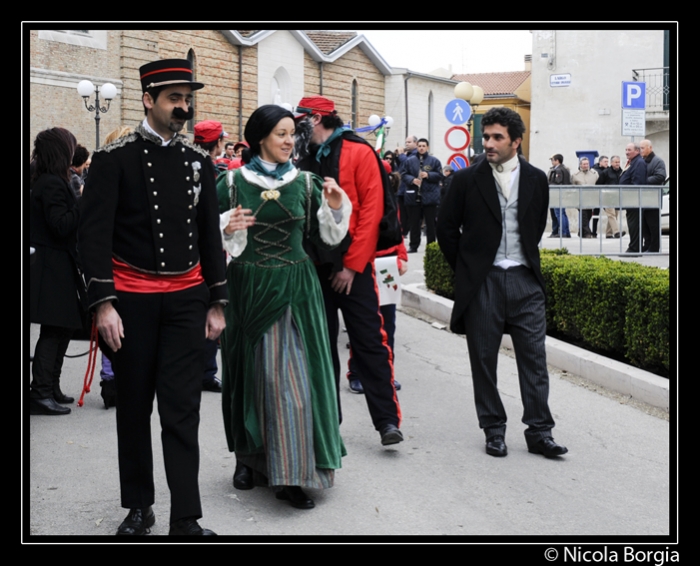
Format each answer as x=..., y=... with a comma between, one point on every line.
x=270, y=194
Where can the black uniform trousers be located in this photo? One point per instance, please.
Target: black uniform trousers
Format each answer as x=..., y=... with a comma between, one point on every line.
x=370, y=350
x=509, y=300
x=162, y=355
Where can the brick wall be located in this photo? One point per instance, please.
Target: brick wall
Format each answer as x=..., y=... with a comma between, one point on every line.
x=337, y=84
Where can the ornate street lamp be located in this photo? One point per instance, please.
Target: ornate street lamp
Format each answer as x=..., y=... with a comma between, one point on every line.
x=108, y=90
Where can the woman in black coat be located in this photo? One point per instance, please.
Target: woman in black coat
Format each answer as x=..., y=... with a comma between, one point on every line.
x=54, y=277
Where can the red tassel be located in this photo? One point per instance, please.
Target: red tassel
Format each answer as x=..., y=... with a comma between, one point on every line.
x=92, y=358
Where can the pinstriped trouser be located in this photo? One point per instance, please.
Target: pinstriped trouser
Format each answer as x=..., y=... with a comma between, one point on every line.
x=509, y=301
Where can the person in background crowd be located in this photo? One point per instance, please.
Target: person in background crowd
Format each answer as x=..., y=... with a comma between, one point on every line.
x=78, y=167
x=635, y=174
x=585, y=176
x=611, y=176
x=650, y=221
x=55, y=283
x=599, y=168
x=559, y=175
x=422, y=174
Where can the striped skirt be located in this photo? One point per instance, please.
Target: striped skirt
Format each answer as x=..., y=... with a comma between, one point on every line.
x=284, y=408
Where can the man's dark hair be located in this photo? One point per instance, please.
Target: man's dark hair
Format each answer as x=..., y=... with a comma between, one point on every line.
x=331, y=122
x=507, y=118
x=602, y=157
x=559, y=157
x=154, y=92
x=80, y=156
x=424, y=140
x=228, y=144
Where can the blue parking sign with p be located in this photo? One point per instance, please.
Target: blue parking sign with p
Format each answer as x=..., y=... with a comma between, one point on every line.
x=634, y=95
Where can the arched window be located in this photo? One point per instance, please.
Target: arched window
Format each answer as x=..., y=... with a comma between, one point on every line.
x=355, y=104
x=281, y=87
x=191, y=58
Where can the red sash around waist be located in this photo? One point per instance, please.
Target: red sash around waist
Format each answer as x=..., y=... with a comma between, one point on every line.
x=128, y=279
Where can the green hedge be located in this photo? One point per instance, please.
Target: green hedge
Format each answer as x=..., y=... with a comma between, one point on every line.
x=613, y=307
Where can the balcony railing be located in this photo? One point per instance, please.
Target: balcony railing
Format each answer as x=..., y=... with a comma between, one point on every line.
x=658, y=89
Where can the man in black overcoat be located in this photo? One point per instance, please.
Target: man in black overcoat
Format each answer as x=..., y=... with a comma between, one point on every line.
x=489, y=229
x=151, y=248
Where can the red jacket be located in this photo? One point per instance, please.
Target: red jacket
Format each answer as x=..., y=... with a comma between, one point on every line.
x=362, y=182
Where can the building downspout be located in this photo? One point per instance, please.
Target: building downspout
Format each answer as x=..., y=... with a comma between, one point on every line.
x=320, y=78
x=405, y=100
x=240, y=92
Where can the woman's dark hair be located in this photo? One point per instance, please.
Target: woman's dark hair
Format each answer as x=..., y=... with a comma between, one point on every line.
x=259, y=126
x=53, y=153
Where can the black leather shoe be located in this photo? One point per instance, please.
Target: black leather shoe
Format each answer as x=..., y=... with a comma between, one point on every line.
x=397, y=385
x=46, y=406
x=243, y=477
x=138, y=522
x=390, y=435
x=412, y=250
x=356, y=386
x=296, y=496
x=548, y=448
x=188, y=527
x=496, y=446
x=60, y=397
x=213, y=385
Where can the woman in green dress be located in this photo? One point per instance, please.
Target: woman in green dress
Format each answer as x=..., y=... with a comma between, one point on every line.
x=279, y=399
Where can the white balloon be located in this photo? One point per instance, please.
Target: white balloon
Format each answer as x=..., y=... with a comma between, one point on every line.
x=374, y=120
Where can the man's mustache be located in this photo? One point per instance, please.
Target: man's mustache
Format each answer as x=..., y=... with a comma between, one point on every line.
x=180, y=114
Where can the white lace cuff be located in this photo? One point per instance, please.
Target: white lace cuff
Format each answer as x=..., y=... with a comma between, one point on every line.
x=234, y=243
x=333, y=224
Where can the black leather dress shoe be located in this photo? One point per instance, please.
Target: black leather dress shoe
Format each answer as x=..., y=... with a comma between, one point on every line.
x=46, y=406
x=355, y=386
x=296, y=496
x=548, y=448
x=60, y=397
x=243, y=477
x=496, y=446
x=138, y=522
x=390, y=435
x=213, y=385
x=188, y=527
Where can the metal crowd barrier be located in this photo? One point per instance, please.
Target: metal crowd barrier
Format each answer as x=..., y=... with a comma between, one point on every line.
x=619, y=197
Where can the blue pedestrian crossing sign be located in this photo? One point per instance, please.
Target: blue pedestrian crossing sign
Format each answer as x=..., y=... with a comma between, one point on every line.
x=458, y=112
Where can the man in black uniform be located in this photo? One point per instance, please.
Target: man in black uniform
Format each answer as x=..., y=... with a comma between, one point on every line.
x=151, y=248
